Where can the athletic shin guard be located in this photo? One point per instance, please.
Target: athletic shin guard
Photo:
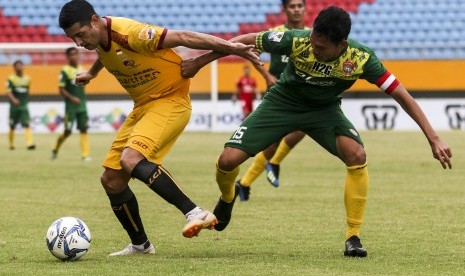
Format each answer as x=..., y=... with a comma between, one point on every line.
x=355, y=197
x=126, y=209
x=161, y=182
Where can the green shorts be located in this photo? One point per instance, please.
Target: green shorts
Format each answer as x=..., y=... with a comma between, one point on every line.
x=272, y=120
x=80, y=117
x=19, y=116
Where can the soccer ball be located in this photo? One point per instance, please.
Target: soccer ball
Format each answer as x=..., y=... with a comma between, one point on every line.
x=68, y=238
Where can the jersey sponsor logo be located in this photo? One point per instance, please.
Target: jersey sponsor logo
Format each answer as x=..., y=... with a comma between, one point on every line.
x=20, y=89
x=311, y=80
x=139, y=78
x=347, y=68
x=276, y=36
x=140, y=144
x=324, y=69
x=379, y=116
x=155, y=175
x=456, y=115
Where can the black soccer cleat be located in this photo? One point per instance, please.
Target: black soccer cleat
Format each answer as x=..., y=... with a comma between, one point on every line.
x=31, y=147
x=223, y=210
x=354, y=248
x=244, y=191
x=272, y=174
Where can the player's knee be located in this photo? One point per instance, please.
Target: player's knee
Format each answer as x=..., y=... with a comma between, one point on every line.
x=224, y=163
x=67, y=133
x=228, y=162
x=357, y=157
x=111, y=183
x=129, y=159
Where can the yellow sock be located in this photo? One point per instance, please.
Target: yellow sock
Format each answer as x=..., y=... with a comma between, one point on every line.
x=281, y=152
x=28, y=133
x=11, y=138
x=225, y=181
x=355, y=197
x=257, y=167
x=84, y=144
x=61, y=139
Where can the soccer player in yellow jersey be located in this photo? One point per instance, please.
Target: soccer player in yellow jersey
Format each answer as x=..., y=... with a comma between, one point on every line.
x=18, y=94
x=140, y=57
x=270, y=159
x=75, y=104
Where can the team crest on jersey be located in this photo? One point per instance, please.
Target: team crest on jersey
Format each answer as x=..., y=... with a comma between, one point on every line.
x=147, y=34
x=347, y=68
x=276, y=36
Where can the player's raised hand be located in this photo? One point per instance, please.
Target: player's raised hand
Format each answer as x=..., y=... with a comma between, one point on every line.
x=442, y=152
x=83, y=78
x=247, y=52
x=189, y=68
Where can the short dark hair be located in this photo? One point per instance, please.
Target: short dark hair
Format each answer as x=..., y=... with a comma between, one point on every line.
x=76, y=11
x=334, y=23
x=69, y=50
x=285, y=2
x=18, y=61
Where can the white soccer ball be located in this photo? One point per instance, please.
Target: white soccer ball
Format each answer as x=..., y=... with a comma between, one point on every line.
x=68, y=238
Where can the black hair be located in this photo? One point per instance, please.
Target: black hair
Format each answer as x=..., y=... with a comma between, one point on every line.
x=285, y=2
x=334, y=23
x=17, y=62
x=76, y=11
x=69, y=50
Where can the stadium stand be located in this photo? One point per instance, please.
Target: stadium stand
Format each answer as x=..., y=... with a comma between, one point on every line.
x=395, y=29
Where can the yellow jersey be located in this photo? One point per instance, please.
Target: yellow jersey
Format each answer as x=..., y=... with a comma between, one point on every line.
x=134, y=55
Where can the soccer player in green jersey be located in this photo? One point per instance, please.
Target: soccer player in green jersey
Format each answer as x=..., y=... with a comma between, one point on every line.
x=323, y=62
x=75, y=104
x=18, y=94
x=270, y=158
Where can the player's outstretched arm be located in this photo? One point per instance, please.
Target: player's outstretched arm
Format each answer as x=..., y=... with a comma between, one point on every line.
x=190, y=67
x=201, y=41
x=441, y=151
x=84, y=78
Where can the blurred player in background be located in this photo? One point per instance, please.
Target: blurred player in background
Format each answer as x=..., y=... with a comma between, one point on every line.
x=141, y=58
x=246, y=92
x=271, y=158
x=75, y=104
x=18, y=94
x=323, y=63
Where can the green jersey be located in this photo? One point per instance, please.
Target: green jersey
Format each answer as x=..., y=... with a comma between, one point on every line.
x=19, y=87
x=279, y=62
x=67, y=81
x=308, y=82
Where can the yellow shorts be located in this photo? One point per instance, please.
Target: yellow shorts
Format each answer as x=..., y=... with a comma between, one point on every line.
x=151, y=129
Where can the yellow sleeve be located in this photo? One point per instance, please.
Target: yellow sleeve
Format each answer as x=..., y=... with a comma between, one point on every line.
x=147, y=39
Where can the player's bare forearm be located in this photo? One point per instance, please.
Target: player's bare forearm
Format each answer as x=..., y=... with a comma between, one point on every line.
x=201, y=41
x=96, y=68
x=208, y=42
x=12, y=98
x=189, y=68
x=441, y=150
x=67, y=95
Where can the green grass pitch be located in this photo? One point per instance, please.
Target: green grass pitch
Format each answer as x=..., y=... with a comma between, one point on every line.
x=414, y=222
